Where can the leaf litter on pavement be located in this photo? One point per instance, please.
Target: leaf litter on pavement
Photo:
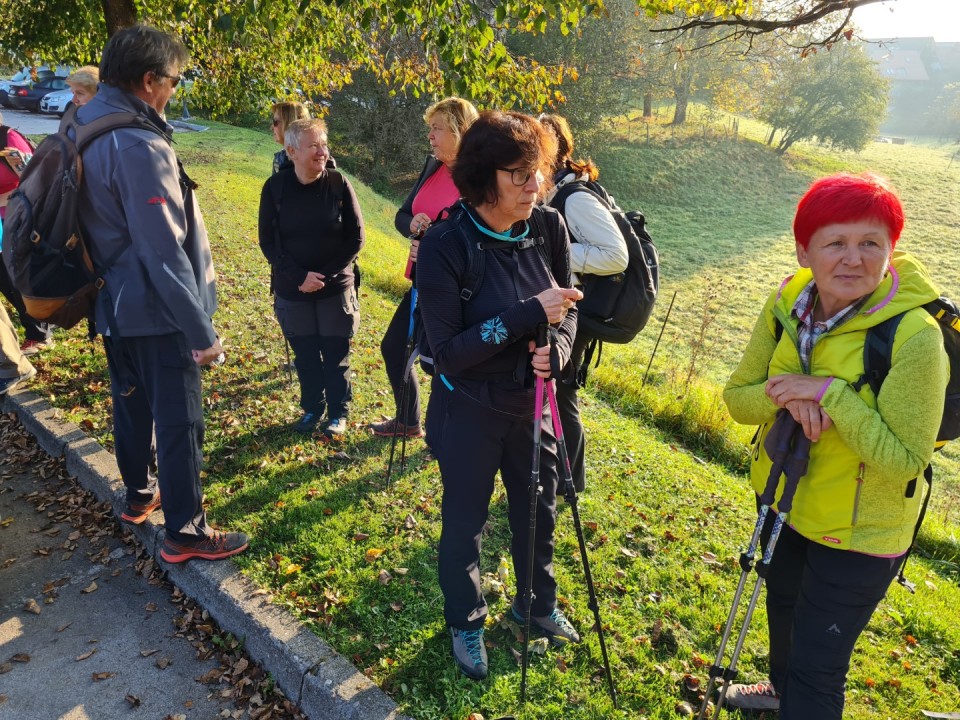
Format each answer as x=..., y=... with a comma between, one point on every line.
x=61, y=500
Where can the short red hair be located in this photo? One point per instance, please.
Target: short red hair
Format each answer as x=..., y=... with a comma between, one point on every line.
x=844, y=198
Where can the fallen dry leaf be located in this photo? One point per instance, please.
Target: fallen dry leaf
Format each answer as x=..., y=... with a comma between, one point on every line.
x=292, y=568
x=148, y=653
x=20, y=658
x=385, y=577
x=396, y=606
x=86, y=655
x=360, y=537
x=163, y=663
x=151, y=607
x=372, y=554
x=31, y=606
x=102, y=676
x=90, y=588
x=133, y=700
x=5, y=668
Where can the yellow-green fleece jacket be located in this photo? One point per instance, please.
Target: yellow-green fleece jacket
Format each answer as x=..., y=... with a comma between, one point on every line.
x=861, y=491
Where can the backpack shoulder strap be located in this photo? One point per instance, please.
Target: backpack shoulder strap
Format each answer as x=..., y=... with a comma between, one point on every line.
x=87, y=132
x=878, y=354
x=474, y=275
x=338, y=184
x=4, y=132
x=559, y=200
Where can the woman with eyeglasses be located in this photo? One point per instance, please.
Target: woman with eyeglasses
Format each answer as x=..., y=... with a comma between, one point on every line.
x=432, y=194
x=285, y=113
x=481, y=415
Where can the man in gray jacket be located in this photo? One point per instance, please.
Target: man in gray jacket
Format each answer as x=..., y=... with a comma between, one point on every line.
x=138, y=206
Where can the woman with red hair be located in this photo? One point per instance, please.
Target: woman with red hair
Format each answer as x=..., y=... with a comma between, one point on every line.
x=856, y=508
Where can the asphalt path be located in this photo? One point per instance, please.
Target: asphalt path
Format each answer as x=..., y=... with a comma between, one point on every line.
x=89, y=630
x=30, y=123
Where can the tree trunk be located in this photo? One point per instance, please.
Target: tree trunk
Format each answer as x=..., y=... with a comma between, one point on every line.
x=648, y=105
x=118, y=14
x=681, y=94
x=773, y=131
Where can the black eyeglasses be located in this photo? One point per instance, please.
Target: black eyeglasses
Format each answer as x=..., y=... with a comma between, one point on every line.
x=177, y=79
x=521, y=176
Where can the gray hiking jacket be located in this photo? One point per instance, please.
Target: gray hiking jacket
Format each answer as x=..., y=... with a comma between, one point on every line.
x=132, y=194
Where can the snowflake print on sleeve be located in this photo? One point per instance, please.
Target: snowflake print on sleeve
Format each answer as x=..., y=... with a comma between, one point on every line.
x=493, y=331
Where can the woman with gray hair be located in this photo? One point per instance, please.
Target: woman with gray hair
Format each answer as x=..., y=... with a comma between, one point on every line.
x=311, y=232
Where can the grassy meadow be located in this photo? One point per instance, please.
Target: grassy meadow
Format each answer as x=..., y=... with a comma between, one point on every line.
x=667, y=507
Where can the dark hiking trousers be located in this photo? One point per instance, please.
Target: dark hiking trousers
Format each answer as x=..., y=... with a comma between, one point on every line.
x=165, y=398
x=319, y=333
x=393, y=347
x=569, y=408
x=819, y=600
x=33, y=329
x=472, y=443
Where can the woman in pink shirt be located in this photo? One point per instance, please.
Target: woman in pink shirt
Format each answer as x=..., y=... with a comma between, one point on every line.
x=427, y=202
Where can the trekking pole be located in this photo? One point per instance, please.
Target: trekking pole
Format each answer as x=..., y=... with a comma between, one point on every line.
x=404, y=389
x=570, y=492
x=790, y=454
x=657, y=344
x=531, y=535
x=286, y=344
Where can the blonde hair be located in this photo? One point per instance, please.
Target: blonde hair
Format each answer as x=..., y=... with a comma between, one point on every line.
x=288, y=112
x=86, y=77
x=459, y=114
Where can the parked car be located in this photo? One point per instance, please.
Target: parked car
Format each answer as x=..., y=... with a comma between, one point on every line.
x=19, y=81
x=57, y=102
x=28, y=98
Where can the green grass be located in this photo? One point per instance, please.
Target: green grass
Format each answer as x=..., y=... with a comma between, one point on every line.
x=666, y=509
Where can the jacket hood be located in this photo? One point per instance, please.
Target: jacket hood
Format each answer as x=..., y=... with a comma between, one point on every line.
x=906, y=285
x=110, y=99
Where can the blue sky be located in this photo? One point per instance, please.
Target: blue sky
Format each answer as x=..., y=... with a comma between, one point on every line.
x=910, y=18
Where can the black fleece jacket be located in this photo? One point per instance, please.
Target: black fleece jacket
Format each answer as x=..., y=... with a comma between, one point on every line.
x=478, y=344
x=318, y=232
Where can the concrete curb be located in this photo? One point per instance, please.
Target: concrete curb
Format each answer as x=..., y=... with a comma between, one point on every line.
x=311, y=673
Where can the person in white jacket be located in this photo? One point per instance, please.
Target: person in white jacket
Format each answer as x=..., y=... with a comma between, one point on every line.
x=597, y=247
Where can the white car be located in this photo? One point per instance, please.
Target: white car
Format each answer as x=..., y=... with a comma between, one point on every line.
x=57, y=102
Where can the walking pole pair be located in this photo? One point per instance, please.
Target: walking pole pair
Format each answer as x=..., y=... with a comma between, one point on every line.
x=409, y=355
x=789, y=449
x=570, y=493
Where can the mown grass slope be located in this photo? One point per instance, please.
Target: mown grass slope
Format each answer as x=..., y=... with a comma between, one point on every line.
x=665, y=515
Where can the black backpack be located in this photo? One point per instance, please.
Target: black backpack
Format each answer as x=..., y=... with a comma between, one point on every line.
x=616, y=307
x=43, y=246
x=877, y=360
x=473, y=277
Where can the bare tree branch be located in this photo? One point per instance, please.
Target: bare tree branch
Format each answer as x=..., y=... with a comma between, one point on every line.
x=789, y=16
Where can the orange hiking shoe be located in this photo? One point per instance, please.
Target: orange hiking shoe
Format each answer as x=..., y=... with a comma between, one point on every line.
x=136, y=513
x=215, y=546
